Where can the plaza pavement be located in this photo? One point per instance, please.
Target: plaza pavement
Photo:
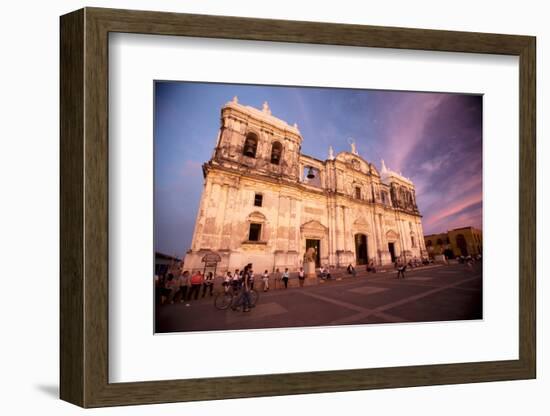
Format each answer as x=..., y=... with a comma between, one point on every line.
x=430, y=293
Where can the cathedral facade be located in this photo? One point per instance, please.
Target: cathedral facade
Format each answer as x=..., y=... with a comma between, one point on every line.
x=266, y=203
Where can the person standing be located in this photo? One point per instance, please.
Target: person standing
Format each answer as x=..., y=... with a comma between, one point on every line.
x=184, y=284
x=173, y=285
x=277, y=277
x=285, y=278
x=301, y=276
x=251, y=279
x=196, y=283
x=265, y=280
x=208, y=284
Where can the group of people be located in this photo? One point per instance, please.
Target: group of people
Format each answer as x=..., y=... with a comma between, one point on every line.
x=238, y=278
x=469, y=261
x=371, y=268
x=416, y=262
x=233, y=280
x=183, y=286
x=285, y=277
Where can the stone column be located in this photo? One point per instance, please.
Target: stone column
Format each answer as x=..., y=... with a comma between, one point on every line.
x=339, y=234
x=339, y=228
x=400, y=232
x=405, y=236
x=220, y=218
x=229, y=226
x=297, y=225
x=421, y=242
x=385, y=252
x=331, y=235
x=334, y=231
x=377, y=236
x=282, y=236
x=293, y=233
x=383, y=241
x=213, y=216
x=201, y=216
x=348, y=235
x=373, y=243
x=345, y=228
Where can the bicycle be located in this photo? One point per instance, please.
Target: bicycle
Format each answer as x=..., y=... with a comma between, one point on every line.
x=229, y=297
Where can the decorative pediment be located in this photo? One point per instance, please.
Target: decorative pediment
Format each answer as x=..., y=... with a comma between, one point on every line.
x=256, y=217
x=354, y=161
x=313, y=226
x=392, y=235
x=373, y=170
x=360, y=220
x=211, y=257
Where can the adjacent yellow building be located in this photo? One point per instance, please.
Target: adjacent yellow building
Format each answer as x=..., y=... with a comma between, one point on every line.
x=465, y=241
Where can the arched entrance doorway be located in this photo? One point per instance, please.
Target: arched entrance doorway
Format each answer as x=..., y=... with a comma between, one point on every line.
x=314, y=235
x=361, y=251
x=393, y=248
x=315, y=244
x=461, y=243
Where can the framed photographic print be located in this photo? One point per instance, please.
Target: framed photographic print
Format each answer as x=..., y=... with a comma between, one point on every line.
x=342, y=207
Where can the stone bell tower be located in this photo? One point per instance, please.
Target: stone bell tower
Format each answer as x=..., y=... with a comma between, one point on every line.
x=253, y=140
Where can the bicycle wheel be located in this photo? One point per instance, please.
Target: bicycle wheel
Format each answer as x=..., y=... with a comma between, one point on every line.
x=223, y=300
x=254, y=296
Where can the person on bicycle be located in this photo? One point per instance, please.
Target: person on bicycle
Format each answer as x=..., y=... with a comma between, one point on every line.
x=227, y=281
x=236, y=280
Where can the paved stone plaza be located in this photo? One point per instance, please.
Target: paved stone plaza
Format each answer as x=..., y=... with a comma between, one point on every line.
x=432, y=293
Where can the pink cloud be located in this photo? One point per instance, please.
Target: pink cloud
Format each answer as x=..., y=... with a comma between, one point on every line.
x=408, y=133
x=441, y=217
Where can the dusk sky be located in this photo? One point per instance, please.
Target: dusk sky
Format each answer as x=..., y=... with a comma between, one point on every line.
x=434, y=139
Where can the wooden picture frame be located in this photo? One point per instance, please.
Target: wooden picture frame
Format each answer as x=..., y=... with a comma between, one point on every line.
x=84, y=207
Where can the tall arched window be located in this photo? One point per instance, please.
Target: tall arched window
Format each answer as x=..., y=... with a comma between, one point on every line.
x=276, y=151
x=250, y=145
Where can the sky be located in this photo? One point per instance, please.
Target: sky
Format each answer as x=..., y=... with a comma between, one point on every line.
x=435, y=139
